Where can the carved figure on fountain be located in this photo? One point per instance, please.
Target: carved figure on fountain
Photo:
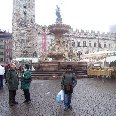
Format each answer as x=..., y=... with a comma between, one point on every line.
x=66, y=58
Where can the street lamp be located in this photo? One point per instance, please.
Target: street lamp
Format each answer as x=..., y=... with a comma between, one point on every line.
x=96, y=36
x=98, y=45
x=79, y=53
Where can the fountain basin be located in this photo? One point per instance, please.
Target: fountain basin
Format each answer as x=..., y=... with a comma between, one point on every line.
x=59, y=28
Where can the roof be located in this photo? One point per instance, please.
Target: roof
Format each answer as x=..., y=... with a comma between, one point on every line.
x=5, y=35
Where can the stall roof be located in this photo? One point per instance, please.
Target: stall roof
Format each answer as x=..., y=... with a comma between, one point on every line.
x=26, y=59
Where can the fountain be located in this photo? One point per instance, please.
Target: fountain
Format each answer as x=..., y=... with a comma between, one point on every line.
x=58, y=52
x=58, y=29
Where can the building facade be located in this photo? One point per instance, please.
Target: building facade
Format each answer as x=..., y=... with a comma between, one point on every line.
x=83, y=41
x=5, y=47
x=24, y=29
x=27, y=35
x=1, y=50
x=89, y=42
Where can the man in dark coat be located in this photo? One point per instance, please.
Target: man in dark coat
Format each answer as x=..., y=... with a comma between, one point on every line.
x=13, y=82
x=67, y=84
x=25, y=83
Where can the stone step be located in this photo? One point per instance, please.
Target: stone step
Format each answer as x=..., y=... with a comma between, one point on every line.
x=56, y=77
x=48, y=75
x=77, y=72
x=56, y=71
x=56, y=74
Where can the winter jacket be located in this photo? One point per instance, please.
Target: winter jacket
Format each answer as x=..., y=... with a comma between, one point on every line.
x=26, y=80
x=68, y=82
x=12, y=79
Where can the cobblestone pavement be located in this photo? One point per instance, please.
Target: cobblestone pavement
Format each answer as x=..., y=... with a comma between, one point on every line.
x=91, y=97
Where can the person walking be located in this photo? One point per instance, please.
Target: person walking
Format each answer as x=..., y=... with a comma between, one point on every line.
x=2, y=71
x=13, y=82
x=67, y=84
x=25, y=83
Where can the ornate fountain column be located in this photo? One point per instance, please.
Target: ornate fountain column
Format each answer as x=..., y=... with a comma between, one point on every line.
x=58, y=29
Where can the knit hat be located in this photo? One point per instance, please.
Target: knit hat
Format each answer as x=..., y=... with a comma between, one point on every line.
x=13, y=65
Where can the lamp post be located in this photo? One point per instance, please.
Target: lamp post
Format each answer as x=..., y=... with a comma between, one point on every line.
x=79, y=53
x=96, y=37
x=98, y=44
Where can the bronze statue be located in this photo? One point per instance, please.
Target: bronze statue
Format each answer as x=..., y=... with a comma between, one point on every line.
x=59, y=19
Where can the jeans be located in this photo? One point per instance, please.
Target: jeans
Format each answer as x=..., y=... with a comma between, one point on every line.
x=67, y=100
x=1, y=81
x=27, y=95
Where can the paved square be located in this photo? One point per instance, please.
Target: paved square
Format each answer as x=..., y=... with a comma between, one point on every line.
x=91, y=97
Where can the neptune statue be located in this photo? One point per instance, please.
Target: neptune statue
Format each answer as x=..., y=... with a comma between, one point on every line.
x=58, y=19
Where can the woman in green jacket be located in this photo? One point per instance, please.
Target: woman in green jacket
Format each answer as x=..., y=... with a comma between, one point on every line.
x=25, y=83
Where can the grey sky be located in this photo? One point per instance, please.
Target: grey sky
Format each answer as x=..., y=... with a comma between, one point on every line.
x=81, y=14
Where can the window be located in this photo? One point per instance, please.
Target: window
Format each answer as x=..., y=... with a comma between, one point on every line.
x=7, y=60
x=25, y=6
x=99, y=45
x=84, y=43
x=1, y=46
x=95, y=44
x=109, y=45
x=1, y=40
x=7, y=47
x=7, y=53
x=1, y=53
x=78, y=44
x=89, y=44
x=105, y=45
x=1, y=59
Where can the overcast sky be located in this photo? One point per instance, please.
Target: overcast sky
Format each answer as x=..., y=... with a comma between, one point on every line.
x=81, y=14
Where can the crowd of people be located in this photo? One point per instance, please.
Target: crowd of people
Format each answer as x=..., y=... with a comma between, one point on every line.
x=11, y=75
